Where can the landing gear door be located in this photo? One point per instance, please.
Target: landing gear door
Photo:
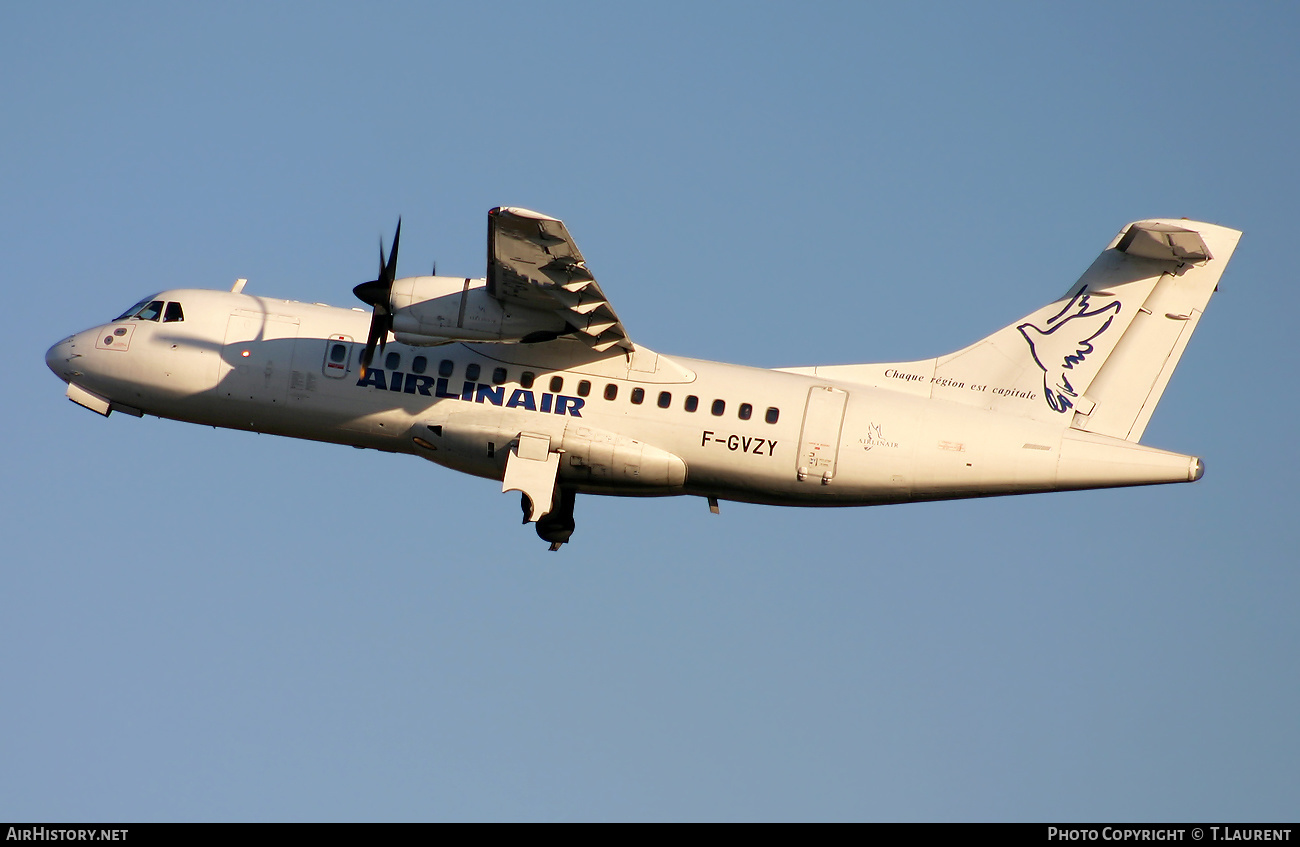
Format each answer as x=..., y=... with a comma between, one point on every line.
x=819, y=440
x=531, y=469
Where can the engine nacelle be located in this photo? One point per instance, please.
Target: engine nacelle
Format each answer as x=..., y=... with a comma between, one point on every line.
x=429, y=310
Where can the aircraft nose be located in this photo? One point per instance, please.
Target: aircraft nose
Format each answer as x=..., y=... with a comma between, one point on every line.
x=56, y=358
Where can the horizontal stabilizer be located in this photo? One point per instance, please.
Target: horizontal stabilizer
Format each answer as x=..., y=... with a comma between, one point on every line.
x=1163, y=242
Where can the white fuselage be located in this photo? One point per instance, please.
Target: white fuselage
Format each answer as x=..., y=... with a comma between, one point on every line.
x=622, y=424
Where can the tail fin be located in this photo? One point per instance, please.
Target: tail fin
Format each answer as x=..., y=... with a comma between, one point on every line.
x=1099, y=358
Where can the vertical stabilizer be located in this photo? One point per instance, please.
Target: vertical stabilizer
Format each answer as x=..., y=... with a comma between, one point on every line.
x=1099, y=358
x=1128, y=386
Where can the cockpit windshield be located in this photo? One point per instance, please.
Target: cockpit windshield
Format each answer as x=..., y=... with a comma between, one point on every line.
x=134, y=311
x=150, y=309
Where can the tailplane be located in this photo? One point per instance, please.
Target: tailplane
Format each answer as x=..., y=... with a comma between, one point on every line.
x=1099, y=358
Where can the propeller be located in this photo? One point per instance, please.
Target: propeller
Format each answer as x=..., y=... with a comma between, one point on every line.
x=378, y=293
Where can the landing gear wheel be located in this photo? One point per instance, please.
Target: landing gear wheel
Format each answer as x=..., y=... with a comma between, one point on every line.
x=557, y=525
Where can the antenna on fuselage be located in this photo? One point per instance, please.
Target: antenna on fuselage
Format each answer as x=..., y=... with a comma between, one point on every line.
x=238, y=286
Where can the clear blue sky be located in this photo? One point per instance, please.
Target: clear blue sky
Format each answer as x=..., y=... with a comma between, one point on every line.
x=207, y=625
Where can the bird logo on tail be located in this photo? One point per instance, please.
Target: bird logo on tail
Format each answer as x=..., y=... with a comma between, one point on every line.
x=1066, y=345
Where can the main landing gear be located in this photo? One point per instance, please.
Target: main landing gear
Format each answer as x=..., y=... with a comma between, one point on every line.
x=556, y=525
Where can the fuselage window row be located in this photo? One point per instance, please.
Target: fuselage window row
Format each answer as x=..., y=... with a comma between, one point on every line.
x=500, y=376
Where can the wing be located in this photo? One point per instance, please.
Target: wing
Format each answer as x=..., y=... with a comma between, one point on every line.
x=533, y=262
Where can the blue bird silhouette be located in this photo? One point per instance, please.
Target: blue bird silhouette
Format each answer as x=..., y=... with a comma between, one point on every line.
x=1066, y=343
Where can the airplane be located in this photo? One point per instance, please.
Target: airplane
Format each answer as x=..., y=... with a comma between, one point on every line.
x=527, y=376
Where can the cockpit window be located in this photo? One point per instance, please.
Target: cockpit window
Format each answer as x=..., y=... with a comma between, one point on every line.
x=135, y=310
x=173, y=313
x=151, y=311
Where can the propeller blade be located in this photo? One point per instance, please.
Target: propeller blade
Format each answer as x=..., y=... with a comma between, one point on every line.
x=391, y=268
x=377, y=335
x=377, y=293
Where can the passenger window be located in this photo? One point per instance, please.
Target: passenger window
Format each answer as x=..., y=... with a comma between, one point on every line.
x=719, y=406
x=557, y=384
x=611, y=391
x=498, y=376
x=471, y=372
x=338, y=353
x=526, y=379
x=665, y=399
x=692, y=402
x=746, y=411
x=393, y=361
x=584, y=388
x=173, y=314
x=446, y=367
x=772, y=414
x=638, y=396
x=419, y=365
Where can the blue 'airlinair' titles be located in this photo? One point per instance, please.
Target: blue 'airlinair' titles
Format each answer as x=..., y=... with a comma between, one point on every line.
x=473, y=392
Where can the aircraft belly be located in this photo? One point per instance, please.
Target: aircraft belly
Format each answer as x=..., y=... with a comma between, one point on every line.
x=479, y=439
x=601, y=458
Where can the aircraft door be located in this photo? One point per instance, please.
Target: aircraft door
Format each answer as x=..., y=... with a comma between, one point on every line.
x=255, y=363
x=819, y=440
x=338, y=353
